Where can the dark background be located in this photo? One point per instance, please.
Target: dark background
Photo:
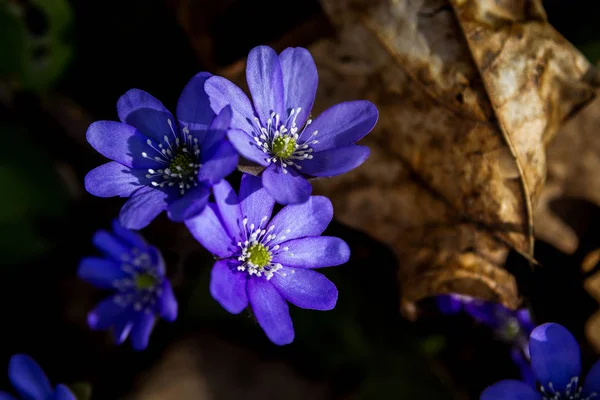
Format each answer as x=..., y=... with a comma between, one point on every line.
x=77, y=59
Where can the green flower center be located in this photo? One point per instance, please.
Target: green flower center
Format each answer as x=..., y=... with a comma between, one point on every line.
x=144, y=281
x=283, y=146
x=183, y=162
x=259, y=255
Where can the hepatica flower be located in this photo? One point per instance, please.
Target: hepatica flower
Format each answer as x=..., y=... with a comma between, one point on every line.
x=31, y=383
x=136, y=272
x=159, y=162
x=275, y=130
x=266, y=261
x=556, y=364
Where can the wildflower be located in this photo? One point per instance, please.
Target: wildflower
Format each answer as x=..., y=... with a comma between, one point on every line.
x=556, y=364
x=276, y=131
x=136, y=272
x=264, y=261
x=158, y=162
x=31, y=383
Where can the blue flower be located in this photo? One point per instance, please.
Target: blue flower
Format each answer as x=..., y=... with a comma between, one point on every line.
x=276, y=133
x=31, y=383
x=266, y=261
x=136, y=271
x=556, y=365
x=158, y=162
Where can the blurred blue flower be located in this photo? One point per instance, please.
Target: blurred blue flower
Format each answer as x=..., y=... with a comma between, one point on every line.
x=556, y=365
x=275, y=130
x=265, y=261
x=159, y=162
x=31, y=383
x=136, y=271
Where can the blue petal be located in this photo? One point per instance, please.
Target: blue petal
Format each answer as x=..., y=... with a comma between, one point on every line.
x=140, y=334
x=120, y=142
x=300, y=80
x=313, y=252
x=591, y=384
x=100, y=272
x=305, y=288
x=255, y=200
x=128, y=236
x=286, y=188
x=343, y=124
x=218, y=162
x=193, y=107
x=448, y=304
x=230, y=210
x=510, y=390
x=110, y=245
x=302, y=220
x=247, y=147
x=146, y=113
x=271, y=311
x=265, y=81
x=61, y=392
x=221, y=93
x=121, y=328
x=555, y=355
x=335, y=161
x=208, y=229
x=6, y=396
x=218, y=129
x=167, y=307
x=27, y=378
x=518, y=358
x=111, y=179
x=142, y=208
x=105, y=314
x=189, y=205
x=228, y=286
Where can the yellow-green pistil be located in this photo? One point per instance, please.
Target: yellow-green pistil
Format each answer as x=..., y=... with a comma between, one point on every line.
x=182, y=163
x=144, y=281
x=259, y=256
x=283, y=146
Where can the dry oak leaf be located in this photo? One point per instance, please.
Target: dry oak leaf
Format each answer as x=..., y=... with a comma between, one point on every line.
x=470, y=93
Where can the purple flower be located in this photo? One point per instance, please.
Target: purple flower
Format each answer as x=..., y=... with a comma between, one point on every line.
x=136, y=272
x=158, y=162
x=265, y=261
x=556, y=364
x=31, y=383
x=275, y=131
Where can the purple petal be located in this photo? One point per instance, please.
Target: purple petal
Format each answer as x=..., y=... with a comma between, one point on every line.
x=140, y=334
x=271, y=311
x=121, y=329
x=27, y=378
x=305, y=288
x=146, y=113
x=313, y=252
x=255, y=200
x=510, y=390
x=6, y=396
x=300, y=80
x=265, y=81
x=228, y=286
x=522, y=363
x=142, y=208
x=343, y=124
x=592, y=381
x=110, y=245
x=335, y=161
x=167, y=307
x=193, y=107
x=221, y=93
x=61, y=392
x=218, y=129
x=555, y=355
x=100, y=272
x=302, y=220
x=218, y=162
x=208, y=229
x=120, y=142
x=111, y=179
x=247, y=147
x=229, y=209
x=448, y=304
x=286, y=188
x=191, y=204
x=128, y=236
x=105, y=314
